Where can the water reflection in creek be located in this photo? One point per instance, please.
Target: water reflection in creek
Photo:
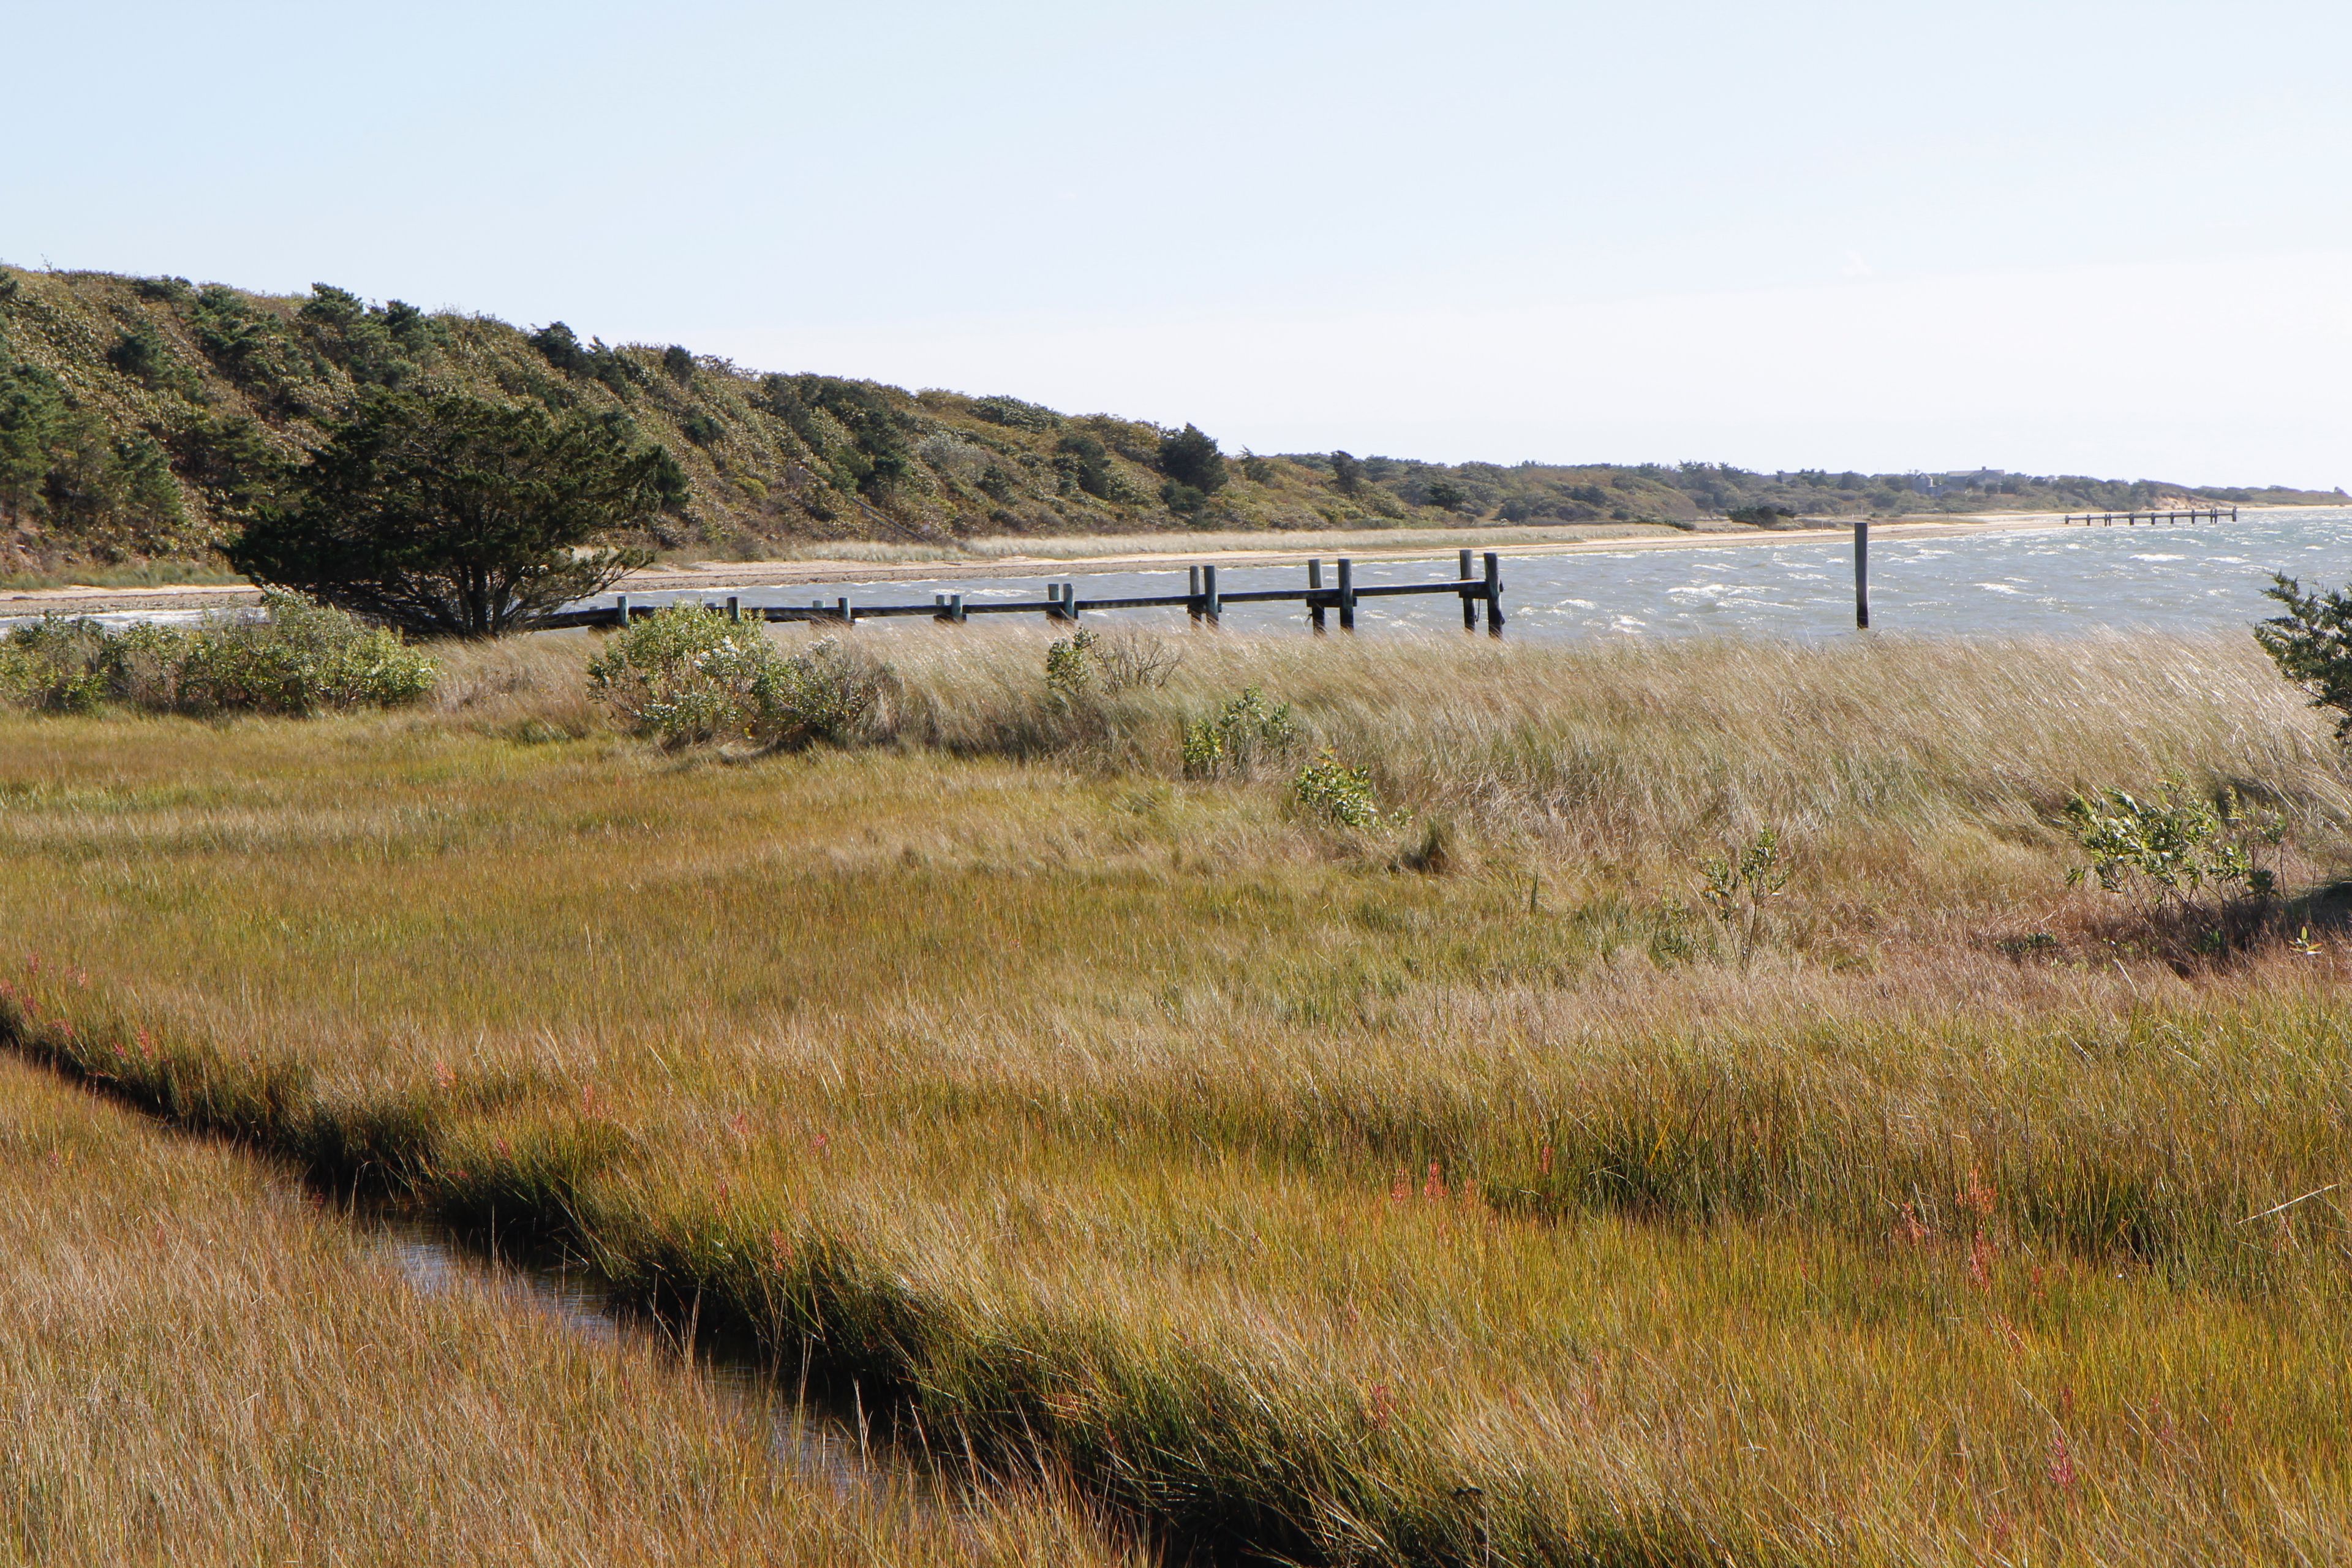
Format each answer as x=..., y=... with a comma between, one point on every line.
x=837, y=1447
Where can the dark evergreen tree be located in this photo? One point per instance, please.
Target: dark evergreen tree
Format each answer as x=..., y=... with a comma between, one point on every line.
x=449, y=516
x=1189, y=457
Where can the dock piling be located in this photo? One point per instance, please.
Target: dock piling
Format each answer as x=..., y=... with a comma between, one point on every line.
x=1861, y=572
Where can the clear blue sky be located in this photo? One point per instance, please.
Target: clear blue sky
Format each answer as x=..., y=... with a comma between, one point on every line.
x=2108, y=238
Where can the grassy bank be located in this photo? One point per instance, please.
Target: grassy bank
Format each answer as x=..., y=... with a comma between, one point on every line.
x=1284, y=1179
x=200, y=1367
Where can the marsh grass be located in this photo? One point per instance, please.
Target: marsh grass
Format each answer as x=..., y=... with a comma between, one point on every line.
x=134, y=575
x=201, y=1366
x=1279, y=1192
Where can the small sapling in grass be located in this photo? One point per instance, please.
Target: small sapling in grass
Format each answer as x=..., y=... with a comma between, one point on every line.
x=1740, y=883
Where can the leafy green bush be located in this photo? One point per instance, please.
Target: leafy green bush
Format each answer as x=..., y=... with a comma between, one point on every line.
x=1069, y=673
x=55, y=665
x=1332, y=790
x=689, y=676
x=1246, y=731
x=296, y=658
x=2185, y=859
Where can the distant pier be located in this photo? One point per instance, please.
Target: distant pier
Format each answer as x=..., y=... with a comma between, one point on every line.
x=2107, y=518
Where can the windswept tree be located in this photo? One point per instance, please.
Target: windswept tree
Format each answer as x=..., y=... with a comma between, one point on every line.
x=448, y=515
x=2312, y=645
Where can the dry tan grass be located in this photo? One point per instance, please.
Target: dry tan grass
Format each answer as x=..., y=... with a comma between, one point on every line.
x=199, y=1367
x=1093, y=1107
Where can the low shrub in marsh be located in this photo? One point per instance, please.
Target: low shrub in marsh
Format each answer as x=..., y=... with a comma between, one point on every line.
x=2193, y=866
x=1332, y=790
x=1124, y=661
x=296, y=658
x=1246, y=732
x=55, y=665
x=689, y=676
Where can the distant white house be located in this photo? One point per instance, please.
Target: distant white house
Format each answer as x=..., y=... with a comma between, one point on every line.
x=1975, y=479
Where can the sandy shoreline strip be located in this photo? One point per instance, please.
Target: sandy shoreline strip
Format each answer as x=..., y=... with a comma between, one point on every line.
x=801, y=573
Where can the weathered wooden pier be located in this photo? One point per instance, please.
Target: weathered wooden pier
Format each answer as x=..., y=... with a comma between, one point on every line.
x=2108, y=518
x=1204, y=599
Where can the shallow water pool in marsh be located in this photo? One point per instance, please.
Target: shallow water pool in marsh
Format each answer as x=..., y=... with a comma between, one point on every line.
x=834, y=1447
x=2206, y=576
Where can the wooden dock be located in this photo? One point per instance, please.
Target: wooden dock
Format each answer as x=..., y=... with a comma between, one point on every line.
x=1204, y=599
x=2108, y=518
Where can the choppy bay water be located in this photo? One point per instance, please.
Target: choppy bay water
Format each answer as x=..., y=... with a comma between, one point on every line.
x=2000, y=583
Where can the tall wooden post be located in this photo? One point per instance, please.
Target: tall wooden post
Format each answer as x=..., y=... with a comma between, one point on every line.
x=1193, y=604
x=1494, y=594
x=621, y=611
x=734, y=607
x=1315, y=585
x=1469, y=603
x=1347, y=594
x=1861, y=572
x=1212, y=605
x=847, y=618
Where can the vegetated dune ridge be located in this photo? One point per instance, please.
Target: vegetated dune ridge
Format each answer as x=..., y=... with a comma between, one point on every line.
x=135, y=412
x=199, y=1368
x=1283, y=1181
